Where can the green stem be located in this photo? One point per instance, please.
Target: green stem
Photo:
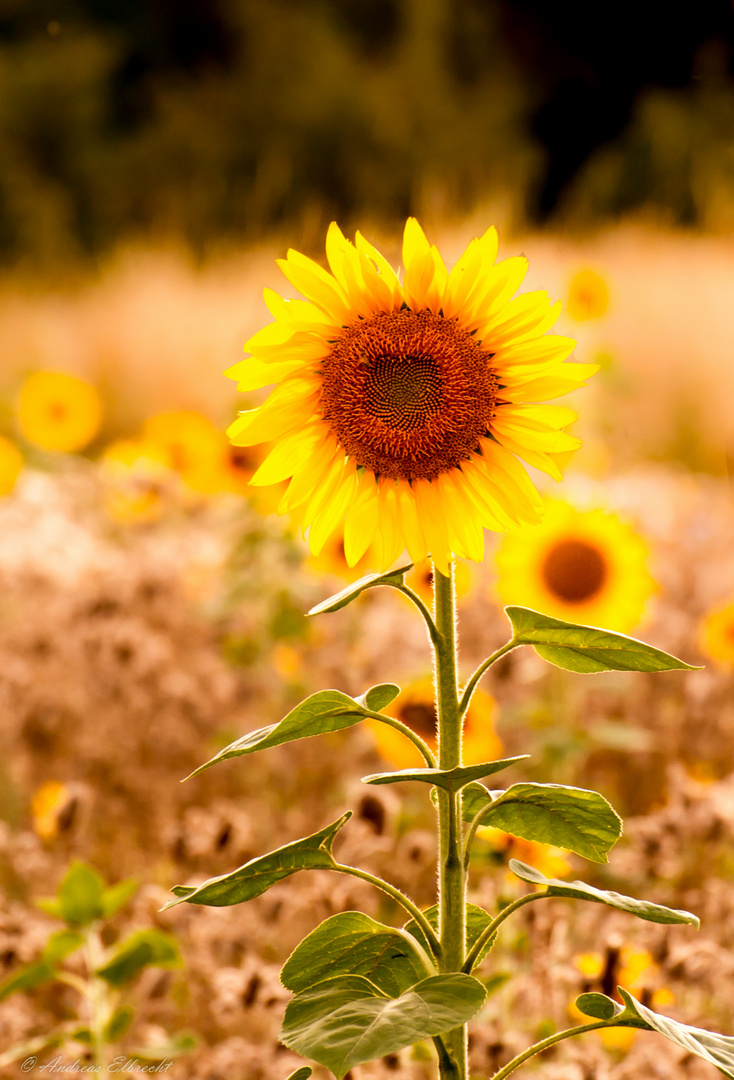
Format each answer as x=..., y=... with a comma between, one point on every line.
x=396, y=894
x=427, y=617
x=472, y=684
x=409, y=734
x=495, y=924
x=451, y=875
x=99, y=1005
x=539, y=1047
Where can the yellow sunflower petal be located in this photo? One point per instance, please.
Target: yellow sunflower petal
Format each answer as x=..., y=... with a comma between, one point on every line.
x=361, y=520
x=316, y=285
x=389, y=528
x=415, y=540
x=466, y=533
x=433, y=523
x=334, y=508
x=288, y=455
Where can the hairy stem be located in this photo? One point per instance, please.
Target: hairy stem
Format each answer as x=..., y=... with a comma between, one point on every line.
x=451, y=876
x=472, y=684
x=539, y=1047
x=427, y=617
x=494, y=926
x=414, y=911
x=425, y=751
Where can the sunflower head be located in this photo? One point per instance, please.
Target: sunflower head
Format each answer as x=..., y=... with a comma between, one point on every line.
x=58, y=411
x=583, y=566
x=415, y=707
x=401, y=407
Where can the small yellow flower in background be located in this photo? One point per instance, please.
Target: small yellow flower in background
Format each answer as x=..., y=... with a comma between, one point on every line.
x=588, y=296
x=628, y=966
x=402, y=409
x=59, y=412
x=48, y=807
x=192, y=446
x=582, y=566
x=717, y=634
x=551, y=861
x=137, y=480
x=416, y=708
x=11, y=463
x=420, y=580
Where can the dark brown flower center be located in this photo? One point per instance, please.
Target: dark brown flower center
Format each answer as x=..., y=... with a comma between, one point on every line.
x=574, y=571
x=408, y=394
x=420, y=717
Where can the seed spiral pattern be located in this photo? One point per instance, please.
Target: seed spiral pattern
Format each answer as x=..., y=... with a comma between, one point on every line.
x=408, y=394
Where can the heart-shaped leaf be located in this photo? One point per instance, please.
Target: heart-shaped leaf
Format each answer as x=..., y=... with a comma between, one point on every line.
x=328, y=710
x=448, y=779
x=586, y=648
x=572, y=818
x=579, y=890
x=353, y=944
x=255, y=877
x=709, y=1045
x=370, y=581
x=145, y=948
x=477, y=921
x=379, y=697
x=346, y=1021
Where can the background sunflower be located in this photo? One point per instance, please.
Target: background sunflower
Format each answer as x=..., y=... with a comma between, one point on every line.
x=585, y=566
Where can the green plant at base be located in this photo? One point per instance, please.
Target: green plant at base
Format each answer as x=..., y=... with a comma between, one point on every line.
x=83, y=903
x=363, y=989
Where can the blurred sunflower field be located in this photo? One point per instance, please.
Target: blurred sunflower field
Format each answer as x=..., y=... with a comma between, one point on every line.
x=156, y=163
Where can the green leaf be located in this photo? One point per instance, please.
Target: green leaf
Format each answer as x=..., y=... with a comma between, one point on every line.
x=599, y=1006
x=572, y=818
x=579, y=890
x=347, y=1021
x=255, y=877
x=62, y=944
x=477, y=921
x=118, y=1023
x=709, y=1045
x=371, y=581
x=118, y=895
x=80, y=895
x=328, y=710
x=301, y=1074
x=448, y=779
x=586, y=648
x=145, y=948
x=28, y=978
x=353, y=944
x=717, y=1049
x=379, y=697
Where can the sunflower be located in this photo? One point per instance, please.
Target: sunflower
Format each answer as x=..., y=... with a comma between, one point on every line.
x=11, y=463
x=627, y=966
x=588, y=296
x=583, y=566
x=401, y=409
x=550, y=860
x=415, y=707
x=192, y=446
x=137, y=480
x=59, y=412
x=717, y=634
